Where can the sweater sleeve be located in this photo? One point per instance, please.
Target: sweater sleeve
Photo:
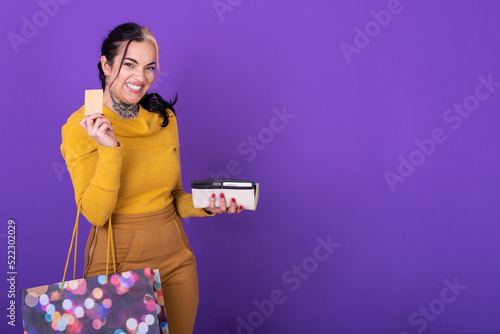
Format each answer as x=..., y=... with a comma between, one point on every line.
x=95, y=172
x=183, y=201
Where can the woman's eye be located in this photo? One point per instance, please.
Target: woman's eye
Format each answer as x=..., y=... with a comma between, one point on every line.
x=128, y=65
x=150, y=68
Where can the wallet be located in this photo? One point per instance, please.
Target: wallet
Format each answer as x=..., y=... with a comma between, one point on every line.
x=246, y=193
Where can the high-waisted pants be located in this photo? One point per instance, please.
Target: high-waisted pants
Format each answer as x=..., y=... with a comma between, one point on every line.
x=156, y=240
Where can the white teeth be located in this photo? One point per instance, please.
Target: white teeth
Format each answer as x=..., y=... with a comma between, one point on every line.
x=134, y=87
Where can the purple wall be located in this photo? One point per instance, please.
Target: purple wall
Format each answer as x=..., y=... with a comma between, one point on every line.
x=372, y=127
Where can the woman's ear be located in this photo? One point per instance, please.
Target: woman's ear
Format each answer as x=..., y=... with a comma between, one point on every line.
x=106, y=67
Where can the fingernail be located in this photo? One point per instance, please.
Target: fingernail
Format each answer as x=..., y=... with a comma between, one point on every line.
x=213, y=195
x=233, y=200
x=221, y=195
x=103, y=115
x=241, y=208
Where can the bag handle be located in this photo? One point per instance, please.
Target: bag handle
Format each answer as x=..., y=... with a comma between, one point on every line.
x=75, y=239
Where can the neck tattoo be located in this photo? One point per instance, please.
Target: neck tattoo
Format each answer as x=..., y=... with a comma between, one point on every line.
x=124, y=110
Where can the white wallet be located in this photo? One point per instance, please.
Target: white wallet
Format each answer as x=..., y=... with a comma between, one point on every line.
x=246, y=193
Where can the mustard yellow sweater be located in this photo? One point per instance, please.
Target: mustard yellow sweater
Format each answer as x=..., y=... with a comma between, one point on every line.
x=141, y=175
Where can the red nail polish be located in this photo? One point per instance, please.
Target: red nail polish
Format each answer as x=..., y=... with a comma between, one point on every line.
x=241, y=208
x=221, y=195
x=213, y=195
x=233, y=200
x=103, y=115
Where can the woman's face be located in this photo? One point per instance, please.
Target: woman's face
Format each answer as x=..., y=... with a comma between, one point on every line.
x=136, y=74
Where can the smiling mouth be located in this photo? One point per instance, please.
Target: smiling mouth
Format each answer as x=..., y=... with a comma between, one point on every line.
x=134, y=88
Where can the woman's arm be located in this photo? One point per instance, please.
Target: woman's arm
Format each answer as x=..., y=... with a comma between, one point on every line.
x=95, y=170
x=183, y=201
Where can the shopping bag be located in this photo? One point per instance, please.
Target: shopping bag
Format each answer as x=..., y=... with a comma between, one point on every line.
x=131, y=302
x=119, y=303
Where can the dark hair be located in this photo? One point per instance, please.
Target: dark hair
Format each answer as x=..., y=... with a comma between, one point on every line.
x=129, y=32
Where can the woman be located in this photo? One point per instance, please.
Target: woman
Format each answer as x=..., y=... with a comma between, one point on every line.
x=124, y=164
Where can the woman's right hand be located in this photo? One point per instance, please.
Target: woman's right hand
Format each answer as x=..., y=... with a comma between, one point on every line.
x=100, y=129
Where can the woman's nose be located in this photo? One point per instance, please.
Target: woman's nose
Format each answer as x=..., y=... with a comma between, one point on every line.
x=139, y=74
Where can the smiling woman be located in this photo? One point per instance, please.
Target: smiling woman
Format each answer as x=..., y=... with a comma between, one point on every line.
x=125, y=167
x=131, y=79
x=137, y=50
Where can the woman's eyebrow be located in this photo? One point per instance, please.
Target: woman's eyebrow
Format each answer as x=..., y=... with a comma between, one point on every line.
x=132, y=60
x=135, y=61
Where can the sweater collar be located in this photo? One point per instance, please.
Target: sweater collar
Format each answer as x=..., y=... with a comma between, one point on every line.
x=145, y=124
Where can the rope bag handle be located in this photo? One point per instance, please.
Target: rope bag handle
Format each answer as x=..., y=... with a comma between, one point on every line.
x=74, y=238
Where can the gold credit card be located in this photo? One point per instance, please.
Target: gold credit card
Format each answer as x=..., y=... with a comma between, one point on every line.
x=93, y=101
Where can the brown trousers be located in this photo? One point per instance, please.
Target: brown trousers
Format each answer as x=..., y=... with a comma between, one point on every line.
x=156, y=240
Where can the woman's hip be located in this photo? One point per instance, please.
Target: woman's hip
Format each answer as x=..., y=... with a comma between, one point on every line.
x=140, y=240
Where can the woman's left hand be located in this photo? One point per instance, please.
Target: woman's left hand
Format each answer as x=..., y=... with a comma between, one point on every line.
x=233, y=208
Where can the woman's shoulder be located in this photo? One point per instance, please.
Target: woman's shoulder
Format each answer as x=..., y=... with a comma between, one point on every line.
x=72, y=128
x=171, y=114
x=155, y=120
x=75, y=118
x=75, y=140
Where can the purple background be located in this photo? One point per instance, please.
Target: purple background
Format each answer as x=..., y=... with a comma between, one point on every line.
x=353, y=118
